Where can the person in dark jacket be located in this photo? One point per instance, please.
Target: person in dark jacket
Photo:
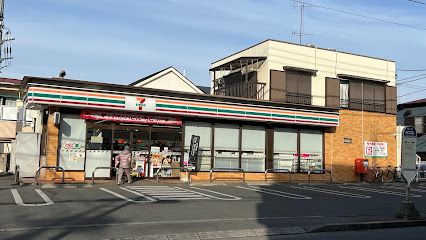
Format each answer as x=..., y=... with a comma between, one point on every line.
x=124, y=162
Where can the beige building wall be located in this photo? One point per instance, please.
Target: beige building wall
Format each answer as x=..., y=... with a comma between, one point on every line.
x=327, y=62
x=169, y=79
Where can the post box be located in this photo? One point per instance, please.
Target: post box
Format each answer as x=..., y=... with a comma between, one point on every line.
x=361, y=165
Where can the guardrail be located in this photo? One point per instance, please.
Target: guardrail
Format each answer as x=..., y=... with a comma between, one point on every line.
x=16, y=178
x=37, y=174
x=282, y=170
x=321, y=171
x=187, y=170
x=93, y=173
x=228, y=170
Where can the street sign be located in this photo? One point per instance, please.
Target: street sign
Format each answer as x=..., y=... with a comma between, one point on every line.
x=408, y=153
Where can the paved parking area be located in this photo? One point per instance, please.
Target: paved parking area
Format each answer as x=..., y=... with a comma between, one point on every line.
x=179, y=208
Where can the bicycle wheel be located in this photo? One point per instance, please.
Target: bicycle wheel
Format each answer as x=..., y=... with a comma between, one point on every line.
x=388, y=175
x=370, y=176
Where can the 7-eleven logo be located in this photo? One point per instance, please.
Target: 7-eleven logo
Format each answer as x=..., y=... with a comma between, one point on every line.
x=140, y=102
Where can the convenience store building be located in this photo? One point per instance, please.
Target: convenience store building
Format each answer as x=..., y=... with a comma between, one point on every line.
x=274, y=105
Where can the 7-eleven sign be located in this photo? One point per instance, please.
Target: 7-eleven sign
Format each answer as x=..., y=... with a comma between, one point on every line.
x=140, y=104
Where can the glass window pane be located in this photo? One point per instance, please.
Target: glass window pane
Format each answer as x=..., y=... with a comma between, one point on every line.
x=285, y=149
x=204, y=130
x=99, y=139
x=311, y=149
x=253, y=149
x=226, y=137
x=72, y=142
x=226, y=146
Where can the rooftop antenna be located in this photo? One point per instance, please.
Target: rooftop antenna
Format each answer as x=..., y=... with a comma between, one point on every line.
x=6, y=39
x=301, y=5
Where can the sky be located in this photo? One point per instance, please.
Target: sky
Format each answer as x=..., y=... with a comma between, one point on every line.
x=120, y=41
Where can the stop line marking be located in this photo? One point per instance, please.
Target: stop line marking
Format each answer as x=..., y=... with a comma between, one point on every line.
x=333, y=192
x=276, y=193
x=19, y=201
x=379, y=191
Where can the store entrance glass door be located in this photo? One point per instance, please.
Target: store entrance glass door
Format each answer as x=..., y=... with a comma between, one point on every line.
x=140, y=151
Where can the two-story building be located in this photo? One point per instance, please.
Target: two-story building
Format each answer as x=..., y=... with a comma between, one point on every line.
x=275, y=105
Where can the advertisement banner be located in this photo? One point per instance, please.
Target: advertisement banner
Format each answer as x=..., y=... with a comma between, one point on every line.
x=375, y=149
x=131, y=118
x=193, y=150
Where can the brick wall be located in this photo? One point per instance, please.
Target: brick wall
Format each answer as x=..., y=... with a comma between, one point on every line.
x=360, y=127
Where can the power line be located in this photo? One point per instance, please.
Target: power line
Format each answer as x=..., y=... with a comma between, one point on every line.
x=416, y=1
x=412, y=70
x=412, y=80
x=404, y=95
x=415, y=76
x=363, y=16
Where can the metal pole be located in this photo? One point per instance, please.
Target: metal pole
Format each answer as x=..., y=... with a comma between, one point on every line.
x=407, y=193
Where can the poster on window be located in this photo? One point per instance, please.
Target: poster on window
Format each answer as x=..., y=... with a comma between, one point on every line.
x=375, y=149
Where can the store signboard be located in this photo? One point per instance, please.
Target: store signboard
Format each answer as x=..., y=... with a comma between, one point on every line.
x=375, y=149
x=130, y=118
x=408, y=153
x=193, y=150
x=140, y=104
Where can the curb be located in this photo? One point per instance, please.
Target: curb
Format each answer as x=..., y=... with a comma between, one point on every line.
x=366, y=225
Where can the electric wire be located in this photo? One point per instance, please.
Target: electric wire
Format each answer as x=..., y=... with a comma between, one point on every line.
x=360, y=15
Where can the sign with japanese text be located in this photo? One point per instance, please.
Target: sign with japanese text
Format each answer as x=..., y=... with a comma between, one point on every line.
x=131, y=118
x=375, y=149
x=193, y=150
x=140, y=104
x=408, y=153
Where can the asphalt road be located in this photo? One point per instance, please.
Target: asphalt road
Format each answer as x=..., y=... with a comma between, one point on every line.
x=146, y=209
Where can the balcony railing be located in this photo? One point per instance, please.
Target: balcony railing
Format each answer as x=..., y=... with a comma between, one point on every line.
x=298, y=98
x=244, y=90
x=371, y=106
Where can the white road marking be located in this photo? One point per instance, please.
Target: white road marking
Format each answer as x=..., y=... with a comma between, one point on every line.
x=276, y=193
x=328, y=191
x=125, y=198
x=379, y=191
x=139, y=194
x=18, y=199
x=233, y=198
x=219, y=193
x=404, y=188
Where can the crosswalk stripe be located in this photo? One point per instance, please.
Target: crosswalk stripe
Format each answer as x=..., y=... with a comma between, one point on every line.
x=379, y=191
x=333, y=192
x=276, y=193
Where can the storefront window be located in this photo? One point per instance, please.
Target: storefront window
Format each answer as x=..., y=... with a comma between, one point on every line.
x=121, y=139
x=226, y=141
x=204, y=130
x=285, y=149
x=99, y=139
x=311, y=149
x=165, y=151
x=72, y=142
x=253, y=149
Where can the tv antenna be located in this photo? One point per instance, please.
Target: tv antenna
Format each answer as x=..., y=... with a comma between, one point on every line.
x=6, y=39
x=301, y=33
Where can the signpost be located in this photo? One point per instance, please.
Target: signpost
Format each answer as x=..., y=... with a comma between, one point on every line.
x=408, y=170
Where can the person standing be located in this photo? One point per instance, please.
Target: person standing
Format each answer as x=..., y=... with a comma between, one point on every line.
x=123, y=162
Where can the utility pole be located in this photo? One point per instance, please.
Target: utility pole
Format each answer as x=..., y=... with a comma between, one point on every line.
x=301, y=33
x=5, y=41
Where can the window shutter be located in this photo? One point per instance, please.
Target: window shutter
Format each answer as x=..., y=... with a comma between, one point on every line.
x=277, y=93
x=390, y=99
x=332, y=92
x=355, y=95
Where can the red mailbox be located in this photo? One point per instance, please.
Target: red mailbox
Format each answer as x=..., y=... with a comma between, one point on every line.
x=361, y=165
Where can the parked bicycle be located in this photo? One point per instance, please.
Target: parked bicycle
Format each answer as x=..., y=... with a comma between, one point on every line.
x=374, y=175
x=392, y=175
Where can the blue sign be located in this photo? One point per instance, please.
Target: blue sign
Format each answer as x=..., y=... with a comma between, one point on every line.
x=409, y=131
